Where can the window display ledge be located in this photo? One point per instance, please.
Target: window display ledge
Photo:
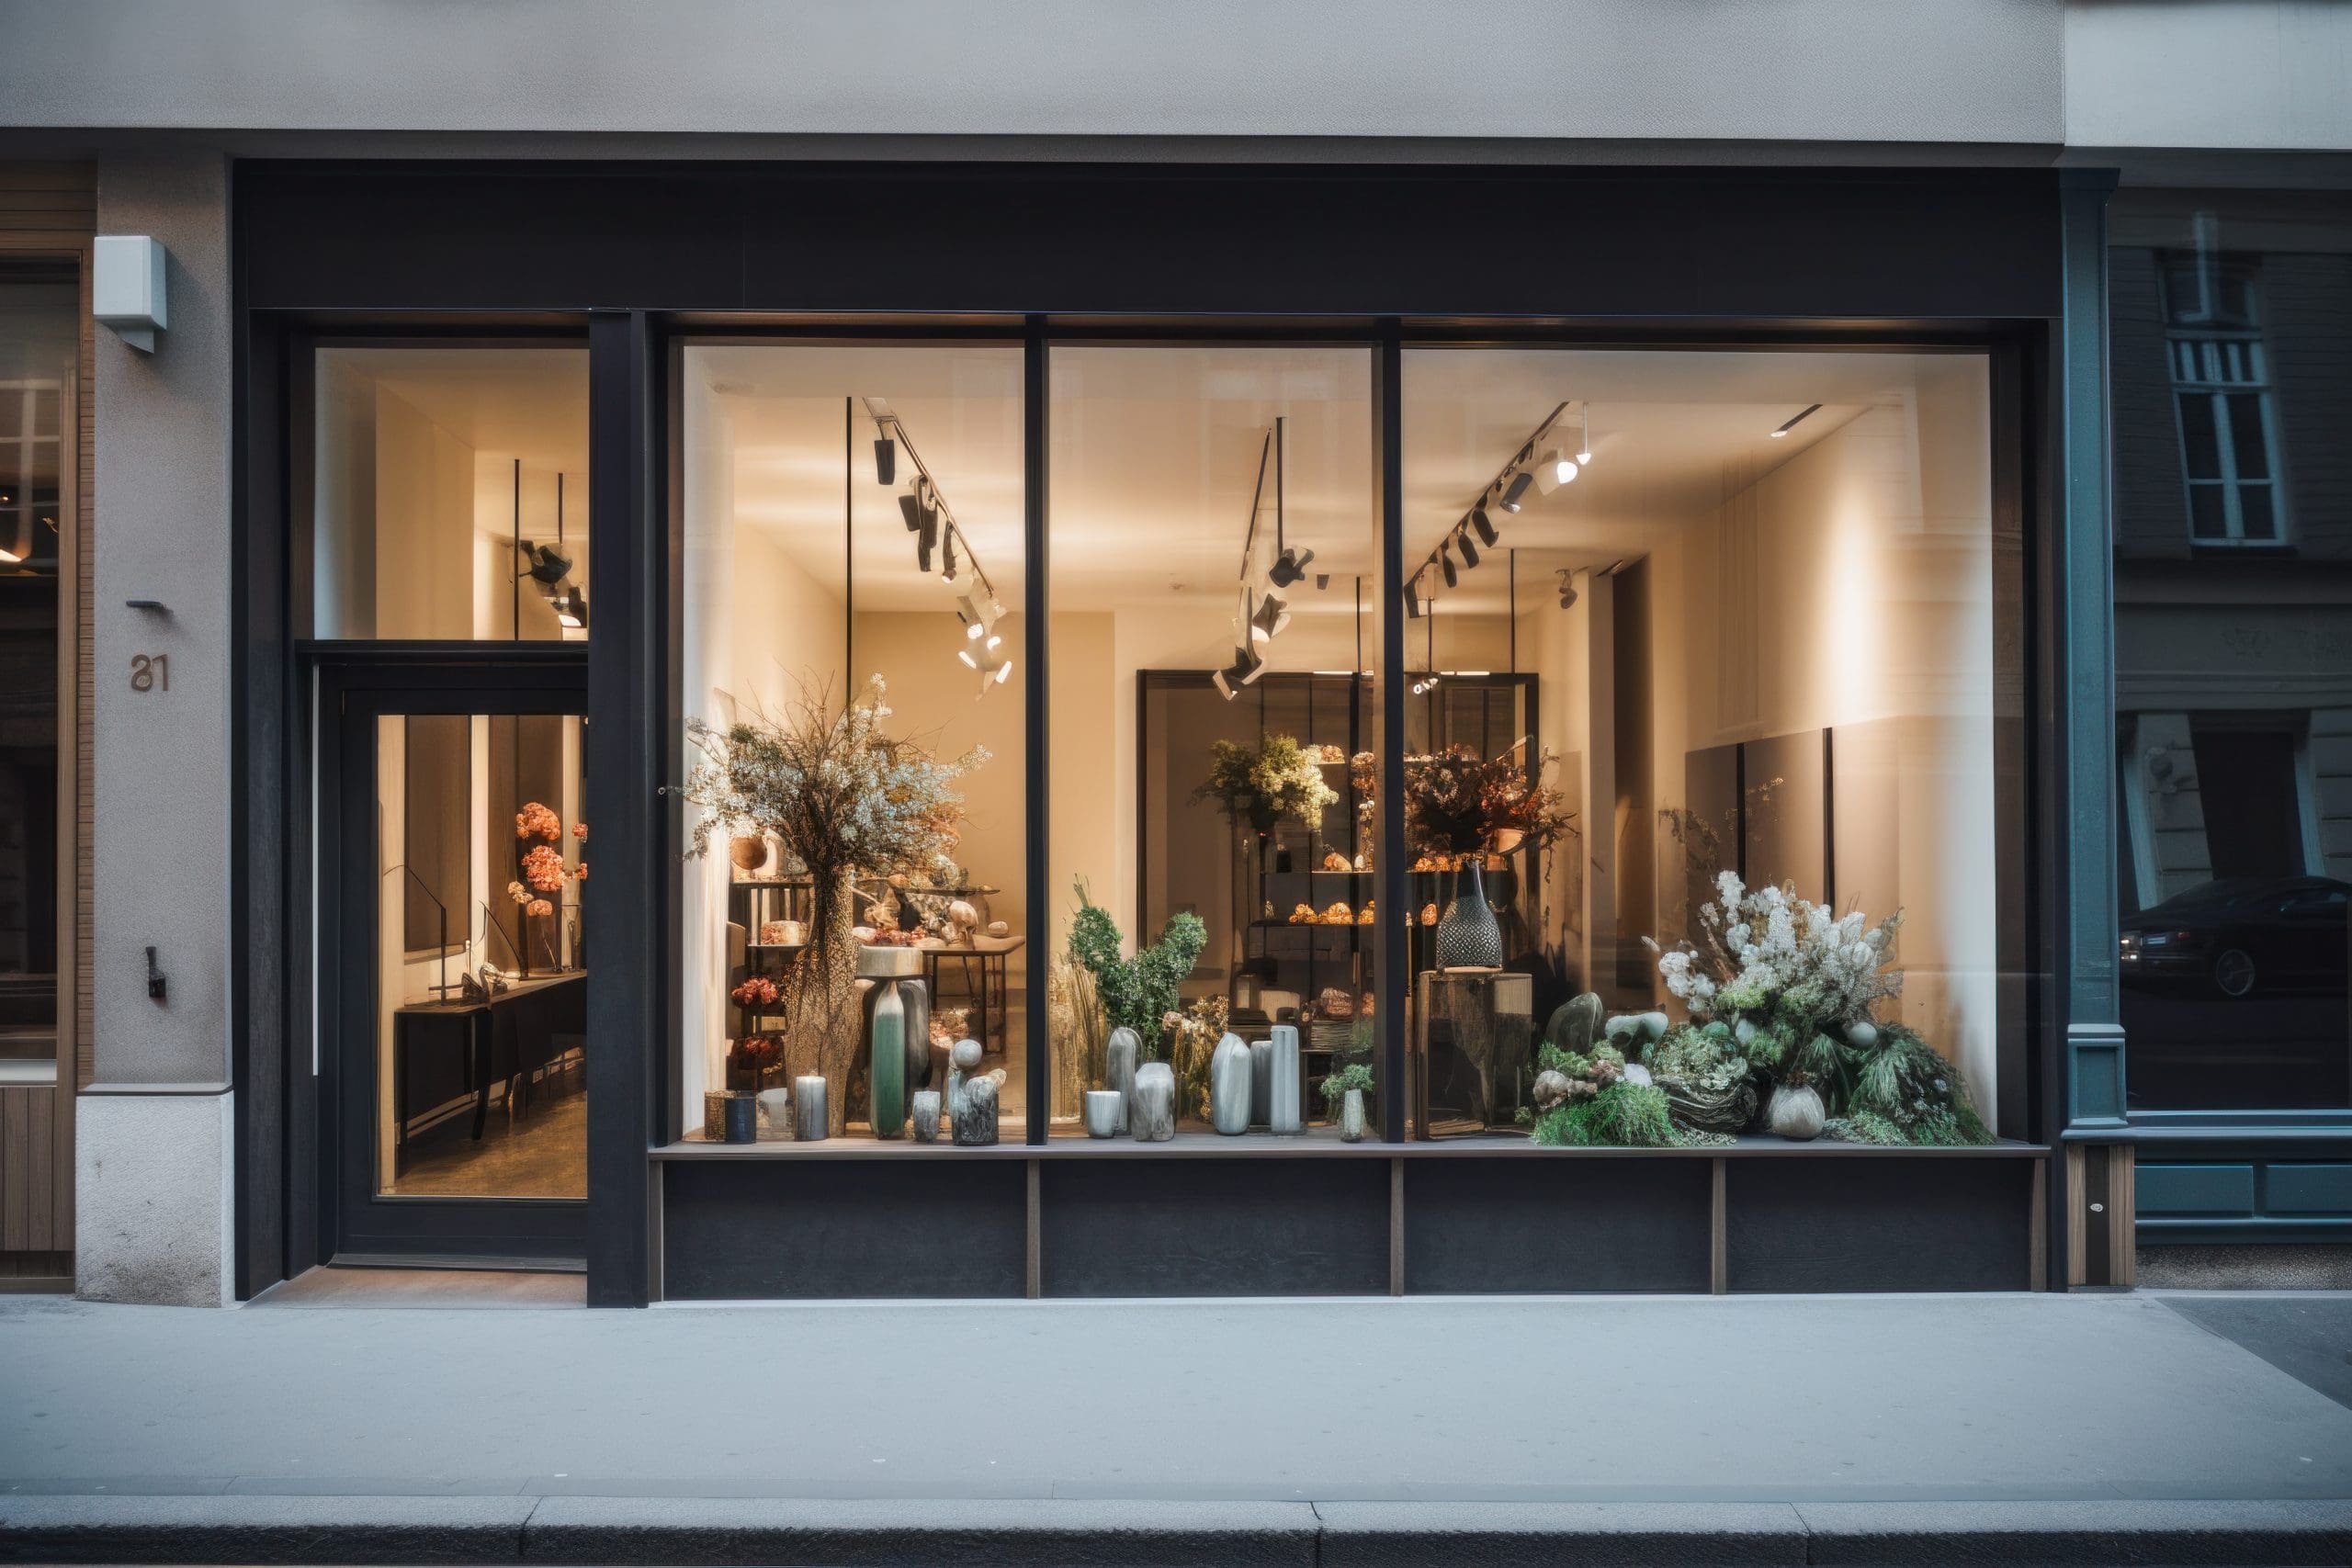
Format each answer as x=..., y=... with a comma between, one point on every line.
x=1320, y=1141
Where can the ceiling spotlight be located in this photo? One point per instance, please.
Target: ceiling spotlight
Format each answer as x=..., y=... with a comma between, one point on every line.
x=1003, y=672
x=1445, y=566
x=1245, y=618
x=572, y=608
x=1568, y=587
x=1515, y=493
x=947, y=557
x=1322, y=580
x=1289, y=567
x=885, y=460
x=1557, y=469
x=1273, y=615
x=547, y=563
x=1413, y=597
x=1245, y=668
x=1467, y=546
x=970, y=662
x=1484, y=524
x=968, y=610
x=1793, y=421
x=927, y=540
x=911, y=508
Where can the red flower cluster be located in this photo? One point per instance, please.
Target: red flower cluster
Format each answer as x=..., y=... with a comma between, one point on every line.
x=539, y=907
x=757, y=991
x=756, y=1053
x=535, y=821
x=543, y=869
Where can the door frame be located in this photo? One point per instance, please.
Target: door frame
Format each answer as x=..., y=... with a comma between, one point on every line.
x=352, y=685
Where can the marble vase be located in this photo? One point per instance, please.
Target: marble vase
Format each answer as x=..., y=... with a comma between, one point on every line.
x=1352, y=1123
x=1151, y=1109
x=1283, y=1114
x=1795, y=1113
x=1232, y=1091
x=976, y=1121
x=1262, y=1080
x=808, y=1108
x=1120, y=1055
x=926, y=1115
x=1102, y=1108
x=963, y=1062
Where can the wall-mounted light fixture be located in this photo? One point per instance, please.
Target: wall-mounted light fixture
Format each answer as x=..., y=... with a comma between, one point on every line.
x=127, y=295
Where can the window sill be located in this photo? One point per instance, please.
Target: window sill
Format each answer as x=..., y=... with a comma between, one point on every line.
x=1316, y=1142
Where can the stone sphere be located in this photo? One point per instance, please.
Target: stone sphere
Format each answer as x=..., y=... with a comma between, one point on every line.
x=1551, y=1087
x=1864, y=1033
x=966, y=1054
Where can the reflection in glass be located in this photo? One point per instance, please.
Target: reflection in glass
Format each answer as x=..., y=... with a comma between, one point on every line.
x=1214, y=738
x=482, y=962
x=2233, y=646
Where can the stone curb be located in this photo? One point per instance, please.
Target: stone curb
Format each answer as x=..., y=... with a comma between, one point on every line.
x=790, y=1533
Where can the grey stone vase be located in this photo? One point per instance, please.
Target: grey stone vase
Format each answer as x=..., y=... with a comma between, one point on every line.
x=1262, y=1080
x=926, y=1115
x=1102, y=1108
x=1282, y=1113
x=1231, y=1093
x=1120, y=1055
x=1795, y=1113
x=809, y=1109
x=1352, y=1127
x=1151, y=1109
x=1468, y=936
x=976, y=1118
x=964, y=1060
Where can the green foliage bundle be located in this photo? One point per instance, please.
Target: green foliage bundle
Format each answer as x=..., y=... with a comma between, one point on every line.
x=1904, y=1091
x=1138, y=993
x=1707, y=1081
x=1336, y=1084
x=1584, y=1100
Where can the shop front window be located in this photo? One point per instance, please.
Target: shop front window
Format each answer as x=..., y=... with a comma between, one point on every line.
x=2234, y=665
x=447, y=498
x=1704, y=692
x=1214, y=558
x=856, y=930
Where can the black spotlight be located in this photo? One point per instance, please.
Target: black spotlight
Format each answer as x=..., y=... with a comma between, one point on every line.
x=885, y=461
x=911, y=510
x=1517, y=490
x=1484, y=524
x=947, y=556
x=1413, y=597
x=1289, y=567
x=1567, y=588
x=546, y=563
x=927, y=541
x=1469, y=548
x=1445, y=566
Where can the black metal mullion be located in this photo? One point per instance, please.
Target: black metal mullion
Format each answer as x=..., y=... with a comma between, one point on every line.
x=1389, y=854
x=1035, y=388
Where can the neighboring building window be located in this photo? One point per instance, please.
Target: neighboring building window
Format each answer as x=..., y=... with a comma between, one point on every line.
x=2222, y=391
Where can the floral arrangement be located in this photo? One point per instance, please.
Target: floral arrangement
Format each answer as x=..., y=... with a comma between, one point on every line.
x=543, y=868
x=1275, y=779
x=755, y=1053
x=846, y=798
x=1792, y=987
x=1193, y=1036
x=536, y=821
x=759, y=991
x=1584, y=1098
x=539, y=907
x=1136, y=993
x=1458, y=803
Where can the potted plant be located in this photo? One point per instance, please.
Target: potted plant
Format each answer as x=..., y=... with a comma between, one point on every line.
x=1343, y=1091
x=846, y=799
x=1138, y=993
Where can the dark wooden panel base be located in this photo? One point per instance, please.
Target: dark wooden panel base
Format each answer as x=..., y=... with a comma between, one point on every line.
x=1890, y=1224
x=1204, y=1227
x=785, y=1229
x=1542, y=1226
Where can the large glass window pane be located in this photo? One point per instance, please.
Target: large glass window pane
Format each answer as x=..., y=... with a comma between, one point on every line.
x=1737, y=612
x=1215, y=613
x=448, y=494
x=38, y=343
x=2234, y=665
x=852, y=526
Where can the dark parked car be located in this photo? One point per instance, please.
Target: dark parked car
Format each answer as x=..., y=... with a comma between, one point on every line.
x=2240, y=935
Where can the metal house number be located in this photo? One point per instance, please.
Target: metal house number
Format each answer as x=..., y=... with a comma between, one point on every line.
x=151, y=672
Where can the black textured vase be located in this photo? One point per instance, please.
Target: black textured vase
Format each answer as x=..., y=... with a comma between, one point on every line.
x=1468, y=936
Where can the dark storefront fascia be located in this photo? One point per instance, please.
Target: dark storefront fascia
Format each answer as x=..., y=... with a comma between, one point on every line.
x=633, y=257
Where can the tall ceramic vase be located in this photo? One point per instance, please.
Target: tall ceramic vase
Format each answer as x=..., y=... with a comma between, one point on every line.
x=1469, y=937
x=1120, y=1057
x=887, y=1070
x=1351, y=1124
x=1230, y=1095
x=1283, y=1114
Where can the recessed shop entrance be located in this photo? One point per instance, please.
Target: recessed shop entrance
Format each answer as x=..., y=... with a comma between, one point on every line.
x=453, y=965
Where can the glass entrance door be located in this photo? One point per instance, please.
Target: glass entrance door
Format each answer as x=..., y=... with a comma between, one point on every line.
x=457, y=992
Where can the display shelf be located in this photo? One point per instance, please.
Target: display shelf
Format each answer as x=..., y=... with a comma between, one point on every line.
x=1197, y=1144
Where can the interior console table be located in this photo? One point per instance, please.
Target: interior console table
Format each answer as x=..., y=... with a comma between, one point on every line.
x=445, y=1047
x=983, y=971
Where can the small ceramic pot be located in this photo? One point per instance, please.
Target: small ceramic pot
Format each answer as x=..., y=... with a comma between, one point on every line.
x=1102, y=1109
x=1795, y=1113
x=1351, y=1124
x=927, y=1102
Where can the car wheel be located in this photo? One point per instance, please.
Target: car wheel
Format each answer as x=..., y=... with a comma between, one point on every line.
x=2234, y=972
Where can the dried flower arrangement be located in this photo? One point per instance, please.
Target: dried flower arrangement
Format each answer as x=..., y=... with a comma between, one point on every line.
x=758, y=991
x=1277, y=778
x=1136, y=993
x=1792, y=987
x=846, y=798
x=1458, y=803
x=1193, y=1036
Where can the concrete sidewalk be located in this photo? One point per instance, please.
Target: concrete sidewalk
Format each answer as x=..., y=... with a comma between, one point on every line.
x=1746, y=1428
